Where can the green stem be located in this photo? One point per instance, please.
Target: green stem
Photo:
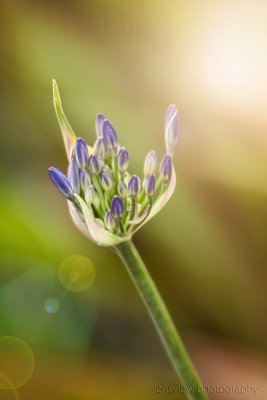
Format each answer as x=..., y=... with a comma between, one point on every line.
x=106, y=198
x=132, y=213
x=162, y=320
x=99, y=191
x=116, y=172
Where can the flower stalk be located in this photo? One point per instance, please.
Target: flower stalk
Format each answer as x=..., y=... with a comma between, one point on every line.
x=108, y=205
x=162, y=320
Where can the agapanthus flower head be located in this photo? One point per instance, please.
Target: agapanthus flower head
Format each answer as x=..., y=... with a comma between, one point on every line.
x=106, y=202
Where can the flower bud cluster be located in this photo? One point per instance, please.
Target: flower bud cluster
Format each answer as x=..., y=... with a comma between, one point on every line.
x=100, y=176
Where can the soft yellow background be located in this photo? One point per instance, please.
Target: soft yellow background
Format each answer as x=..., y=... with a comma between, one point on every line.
x=206, y=250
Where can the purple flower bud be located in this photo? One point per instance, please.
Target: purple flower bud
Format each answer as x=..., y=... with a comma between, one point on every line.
x=134, y=186
x=81, y=153
x=117, y=208
x=109, y=221
x=122, y=189
x=61, y=183
x=123, y=160
x=100, y=147
x=99, y=124
x=172, y=128
x=150, y=163
x=150, y=185
x=166, y=169
x=110, y=135
x=105, y=181
x=73, y=175
x=85, y=179
x=90, y=194
x=94, y=164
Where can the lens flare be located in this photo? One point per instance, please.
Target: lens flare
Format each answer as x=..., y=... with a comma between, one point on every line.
x=77, y=273
x=51, y=305
x=16, y=362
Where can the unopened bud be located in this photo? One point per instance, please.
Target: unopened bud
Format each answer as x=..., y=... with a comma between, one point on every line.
x=150, y=163
x=81, y=153
x=122, y=189
x=107, y=170
x=61, y=182
x=134, y=186
x=100, y=147
x=90, y=194
x=166, y=169
x=117, y=208
x=150, y=185
x=85, y=179
x=99, y=124
x=73, y=175
x=105, y=181
x=94, y=164
x=172, y=128
x=109, y=221
x=110, y=135
x=123, y=160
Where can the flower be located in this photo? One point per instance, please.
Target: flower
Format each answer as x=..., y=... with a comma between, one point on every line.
x=106, y=202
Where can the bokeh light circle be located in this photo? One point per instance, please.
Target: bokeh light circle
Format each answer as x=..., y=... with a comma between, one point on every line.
x=51, y=305
x=77, y=273
x=16, y=362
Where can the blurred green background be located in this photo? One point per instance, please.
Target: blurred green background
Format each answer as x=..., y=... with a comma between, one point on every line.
x=206, y=250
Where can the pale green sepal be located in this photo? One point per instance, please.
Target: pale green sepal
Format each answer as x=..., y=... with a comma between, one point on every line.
x=161, y=202
x=138, y=220
x=79, y=220
x=67, y=132
x=98, y=234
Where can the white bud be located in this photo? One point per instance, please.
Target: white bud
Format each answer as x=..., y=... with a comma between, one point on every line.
x=90, y=194
x=172, y=128
x=150, y=163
